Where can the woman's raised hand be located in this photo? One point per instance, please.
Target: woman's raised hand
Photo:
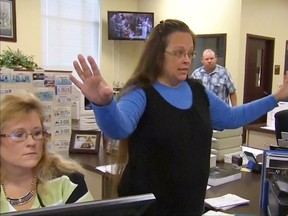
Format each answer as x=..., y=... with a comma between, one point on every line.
x=93, y=86
x=282, y=93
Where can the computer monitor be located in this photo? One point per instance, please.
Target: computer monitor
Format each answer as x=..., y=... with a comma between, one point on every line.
x=123, y=206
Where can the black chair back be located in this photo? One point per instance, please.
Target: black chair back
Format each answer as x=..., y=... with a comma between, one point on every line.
x=281, y=123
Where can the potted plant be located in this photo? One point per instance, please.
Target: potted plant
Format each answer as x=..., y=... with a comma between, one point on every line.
x=17, y=60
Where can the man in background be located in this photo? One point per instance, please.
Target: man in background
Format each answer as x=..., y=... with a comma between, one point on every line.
x=216, y=78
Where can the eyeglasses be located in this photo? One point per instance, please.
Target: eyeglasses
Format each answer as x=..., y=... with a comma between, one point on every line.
x=22, y=135
x=181, y=53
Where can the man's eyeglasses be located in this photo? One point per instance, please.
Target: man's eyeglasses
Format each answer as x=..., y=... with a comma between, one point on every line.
x=181, y=54
x=22, y=135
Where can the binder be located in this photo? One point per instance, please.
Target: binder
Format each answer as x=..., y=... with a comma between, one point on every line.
x=275, y=162
x=223, y=174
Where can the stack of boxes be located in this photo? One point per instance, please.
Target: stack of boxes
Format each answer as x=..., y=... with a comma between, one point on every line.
x=226, y=142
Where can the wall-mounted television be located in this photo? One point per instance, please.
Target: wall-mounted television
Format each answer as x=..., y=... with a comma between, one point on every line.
x=125, y=25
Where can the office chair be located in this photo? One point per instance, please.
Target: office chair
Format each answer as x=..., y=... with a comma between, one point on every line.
x=281, y=124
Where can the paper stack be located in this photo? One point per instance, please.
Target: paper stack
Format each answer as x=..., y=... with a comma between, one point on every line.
x=225, y=202
x=216, y=213
x=110, y=168
x=226, y=142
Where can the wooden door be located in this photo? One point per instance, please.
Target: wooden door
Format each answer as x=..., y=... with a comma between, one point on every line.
x=258, y=69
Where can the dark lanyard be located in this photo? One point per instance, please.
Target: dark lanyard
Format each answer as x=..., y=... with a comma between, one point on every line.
x=40, y=201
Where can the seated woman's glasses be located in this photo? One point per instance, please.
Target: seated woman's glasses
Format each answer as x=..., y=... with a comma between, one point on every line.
x=22, y=135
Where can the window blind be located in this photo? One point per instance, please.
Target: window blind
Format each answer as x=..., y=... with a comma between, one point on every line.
x=69, y=28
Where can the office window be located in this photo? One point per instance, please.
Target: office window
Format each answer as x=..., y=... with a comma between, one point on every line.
x=69, y=28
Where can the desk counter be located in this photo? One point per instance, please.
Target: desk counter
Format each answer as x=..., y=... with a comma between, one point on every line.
x=99, y=183
x=91, y=161
x=248, y=187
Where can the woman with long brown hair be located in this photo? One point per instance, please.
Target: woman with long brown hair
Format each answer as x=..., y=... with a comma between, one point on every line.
x=166, y=119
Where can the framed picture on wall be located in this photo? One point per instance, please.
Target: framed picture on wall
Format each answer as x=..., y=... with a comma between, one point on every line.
x=8, y=21
x=85, y=141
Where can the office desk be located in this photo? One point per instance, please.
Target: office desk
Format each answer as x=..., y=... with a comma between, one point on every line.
x=99, y=183
x=247, y=187
x=91, y=161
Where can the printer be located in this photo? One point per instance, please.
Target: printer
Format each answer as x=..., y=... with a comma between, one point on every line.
x=278, y=196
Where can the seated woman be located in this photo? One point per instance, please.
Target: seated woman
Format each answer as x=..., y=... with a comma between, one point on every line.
x=32, y=176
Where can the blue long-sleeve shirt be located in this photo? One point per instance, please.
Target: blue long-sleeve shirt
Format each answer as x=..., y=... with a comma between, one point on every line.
x=119, y=119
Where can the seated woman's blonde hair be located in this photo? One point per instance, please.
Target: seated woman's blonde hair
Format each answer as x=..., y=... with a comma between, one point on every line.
x=16, y=105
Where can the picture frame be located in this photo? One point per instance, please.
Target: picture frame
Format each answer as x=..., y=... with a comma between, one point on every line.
x=85, y=141
x=8, y=20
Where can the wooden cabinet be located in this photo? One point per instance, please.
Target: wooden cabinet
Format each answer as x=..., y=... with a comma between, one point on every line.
x=258, y=137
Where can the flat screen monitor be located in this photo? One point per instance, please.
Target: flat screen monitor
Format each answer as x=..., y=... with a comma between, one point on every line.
x=124, y=25
x=123, y=206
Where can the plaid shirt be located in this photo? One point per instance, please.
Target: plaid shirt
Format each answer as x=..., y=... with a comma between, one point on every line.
x=219, y=81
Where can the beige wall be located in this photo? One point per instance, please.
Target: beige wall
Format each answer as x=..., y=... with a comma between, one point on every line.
x=118, y=58
x=29, y=35
x=205, y=17
x=266, y=18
